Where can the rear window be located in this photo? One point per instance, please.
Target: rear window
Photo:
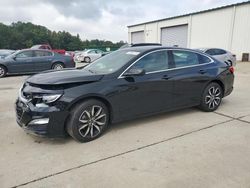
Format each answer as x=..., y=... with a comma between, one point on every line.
x=42, y=53
x=185, y=58
x=204, y=59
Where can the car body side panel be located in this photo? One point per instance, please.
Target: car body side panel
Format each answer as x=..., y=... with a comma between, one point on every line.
x=20, y=65
x=143, y=94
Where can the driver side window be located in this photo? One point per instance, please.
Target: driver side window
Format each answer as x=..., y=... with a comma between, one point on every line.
x=25, y=54
x=155, y=61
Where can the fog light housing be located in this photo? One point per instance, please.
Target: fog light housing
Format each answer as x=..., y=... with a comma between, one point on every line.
x=39, y=121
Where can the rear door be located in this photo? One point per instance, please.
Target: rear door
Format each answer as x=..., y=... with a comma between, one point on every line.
x=23, y=62
x=42, y=60
x=191, y=74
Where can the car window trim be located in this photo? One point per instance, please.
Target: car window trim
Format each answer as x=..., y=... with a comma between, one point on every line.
x=52, y=54
x=23, y=52
x=169, y=69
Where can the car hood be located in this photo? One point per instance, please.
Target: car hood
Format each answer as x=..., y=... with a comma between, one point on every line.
x=65, y=76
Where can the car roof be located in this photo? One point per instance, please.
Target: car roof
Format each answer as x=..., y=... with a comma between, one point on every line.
x=30, y=49
x=152, y=48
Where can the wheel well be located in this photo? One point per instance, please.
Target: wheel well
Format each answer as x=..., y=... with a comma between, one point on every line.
x=57, y=62
x=4, y=67
x=96, y=98
x=87, y=57
x=221, y=85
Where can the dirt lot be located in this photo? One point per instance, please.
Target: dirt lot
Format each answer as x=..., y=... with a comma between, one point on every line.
x=187, y=148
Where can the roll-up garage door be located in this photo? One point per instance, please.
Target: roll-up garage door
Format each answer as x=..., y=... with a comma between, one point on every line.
x=175, y=36
x=137, y=37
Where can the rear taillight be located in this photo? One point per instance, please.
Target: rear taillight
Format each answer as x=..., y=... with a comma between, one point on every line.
x=231, y=69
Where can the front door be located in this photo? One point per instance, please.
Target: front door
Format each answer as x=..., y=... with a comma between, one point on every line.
x=148, y=93
x=22, y=62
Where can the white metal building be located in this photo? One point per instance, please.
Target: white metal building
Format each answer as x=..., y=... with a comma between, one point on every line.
x=226, y=27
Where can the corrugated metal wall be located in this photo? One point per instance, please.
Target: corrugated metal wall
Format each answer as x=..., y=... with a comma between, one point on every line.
x=241, y=31
x=227, y=28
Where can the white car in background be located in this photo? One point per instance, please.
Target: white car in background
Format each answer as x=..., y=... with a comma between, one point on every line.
x=220, y=54
x=88, y=56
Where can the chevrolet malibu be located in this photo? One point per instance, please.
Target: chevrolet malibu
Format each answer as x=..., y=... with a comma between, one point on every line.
x=128, y=83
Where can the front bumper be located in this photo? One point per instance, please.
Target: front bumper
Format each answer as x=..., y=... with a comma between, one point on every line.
x=43, y=121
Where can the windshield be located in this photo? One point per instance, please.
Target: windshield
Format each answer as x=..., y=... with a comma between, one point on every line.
x=111, y=62
x=12, y=54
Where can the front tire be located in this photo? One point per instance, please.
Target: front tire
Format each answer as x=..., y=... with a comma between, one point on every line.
x=88, y=120
x=211, y=98
x=3, y=71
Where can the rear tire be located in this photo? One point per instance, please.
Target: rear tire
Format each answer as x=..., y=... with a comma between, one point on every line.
x=87, y=60
x=58, y=66
x=3, y=71
x=88, y=120
x=211, y=97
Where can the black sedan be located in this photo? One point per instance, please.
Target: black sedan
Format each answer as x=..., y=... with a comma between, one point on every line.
x=128, y=83
x=32, y=61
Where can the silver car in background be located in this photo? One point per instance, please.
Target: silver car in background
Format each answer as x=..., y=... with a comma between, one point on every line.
x=220, y=54
x=88, y=56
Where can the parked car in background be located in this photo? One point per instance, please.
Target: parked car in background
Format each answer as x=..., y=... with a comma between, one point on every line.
x=125, y=84
x=48, y=47
x=88, y=56
x=70, y=53
x=221, y=55
x=139, y=44
x=32, y=61
x=4, y=53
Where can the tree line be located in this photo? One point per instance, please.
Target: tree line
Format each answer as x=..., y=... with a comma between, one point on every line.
x=22, y=35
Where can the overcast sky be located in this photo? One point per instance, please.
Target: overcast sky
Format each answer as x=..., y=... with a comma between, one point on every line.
x=102, y=19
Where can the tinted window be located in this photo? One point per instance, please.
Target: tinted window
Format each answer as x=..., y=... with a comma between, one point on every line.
x=216, y=52
x=185, y=58
x=42, y=53
x=153, y=62
x=24, y=54
x=220, y=52
x=203, y=59
x=210, y=52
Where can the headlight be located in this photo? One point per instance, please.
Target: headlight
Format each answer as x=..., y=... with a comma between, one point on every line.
x=49, y=98
x=46, y=98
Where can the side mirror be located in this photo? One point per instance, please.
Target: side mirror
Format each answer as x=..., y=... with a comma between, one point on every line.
x=134, y=72
x=14, y=57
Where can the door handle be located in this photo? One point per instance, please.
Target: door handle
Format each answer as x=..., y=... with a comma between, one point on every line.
x=202, y=71
x=166, y=77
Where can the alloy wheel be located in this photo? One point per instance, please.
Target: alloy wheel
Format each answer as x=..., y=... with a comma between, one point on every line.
x=58, y=67
x=2, y=71
x=213, y=97
x=91, y=121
